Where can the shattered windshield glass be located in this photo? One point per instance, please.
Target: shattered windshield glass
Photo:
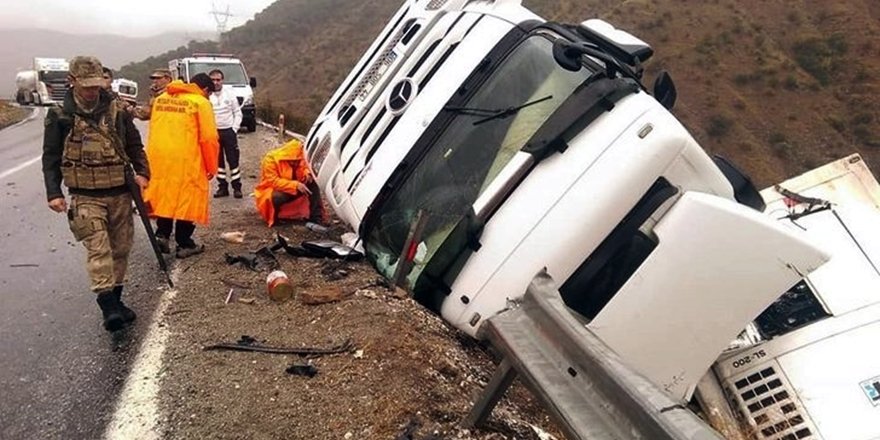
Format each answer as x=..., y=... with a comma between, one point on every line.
x=486, y=132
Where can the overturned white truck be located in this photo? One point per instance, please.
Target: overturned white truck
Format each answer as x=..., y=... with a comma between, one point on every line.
x=475, y=143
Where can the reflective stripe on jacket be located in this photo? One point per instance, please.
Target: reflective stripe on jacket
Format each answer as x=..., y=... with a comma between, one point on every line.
x=182, y=149
x=280, y=170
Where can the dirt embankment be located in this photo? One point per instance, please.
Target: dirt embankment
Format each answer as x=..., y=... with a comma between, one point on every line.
x=407, y=376
x=11, y=114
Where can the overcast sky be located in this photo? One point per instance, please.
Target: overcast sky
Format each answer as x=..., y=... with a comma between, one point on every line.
x=136, y=18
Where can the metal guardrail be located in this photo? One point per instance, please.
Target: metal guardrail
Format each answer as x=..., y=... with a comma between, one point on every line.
x=576, y=377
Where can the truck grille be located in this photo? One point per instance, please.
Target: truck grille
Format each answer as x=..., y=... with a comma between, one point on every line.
x=59, y=89
x=766, y=402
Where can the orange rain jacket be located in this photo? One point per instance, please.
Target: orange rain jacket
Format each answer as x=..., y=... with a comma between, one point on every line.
x=281, y=170
x=182, y=149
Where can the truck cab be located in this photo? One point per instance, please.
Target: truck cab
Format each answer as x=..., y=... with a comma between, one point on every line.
x=52, y=82
x=476, y=144
x=234, y=76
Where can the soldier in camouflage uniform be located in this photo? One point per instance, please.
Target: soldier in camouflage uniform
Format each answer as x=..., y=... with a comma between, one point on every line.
x=88, y=143
x=159, y=79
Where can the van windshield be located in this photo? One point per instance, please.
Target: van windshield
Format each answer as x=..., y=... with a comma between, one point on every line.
x=232, y=73
x=484, y=134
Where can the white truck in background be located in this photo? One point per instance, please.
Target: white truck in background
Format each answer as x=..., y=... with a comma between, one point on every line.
x=126, y=89
x=26, y=87
x=808, y=367
x=475, y=144
x=51, y=80
x=234, y=76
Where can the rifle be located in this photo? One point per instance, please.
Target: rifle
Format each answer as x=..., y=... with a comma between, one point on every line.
x=135, y=191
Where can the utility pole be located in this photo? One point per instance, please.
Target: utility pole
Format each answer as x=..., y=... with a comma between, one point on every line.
x=221, y=17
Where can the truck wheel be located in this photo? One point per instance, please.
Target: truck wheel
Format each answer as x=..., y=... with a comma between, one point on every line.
x=252, y=125
x=19, y=98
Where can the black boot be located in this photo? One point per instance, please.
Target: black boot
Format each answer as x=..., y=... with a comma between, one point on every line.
x=128, y=315
x=222, y=191
x=109, y=305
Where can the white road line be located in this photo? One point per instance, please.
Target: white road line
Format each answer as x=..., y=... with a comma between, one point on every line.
x=137, y=410
x=19, y=167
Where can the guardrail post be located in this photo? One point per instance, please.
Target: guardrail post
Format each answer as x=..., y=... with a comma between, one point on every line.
x=281, y=127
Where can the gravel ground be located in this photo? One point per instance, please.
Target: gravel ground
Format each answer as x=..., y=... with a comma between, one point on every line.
x=408, y=375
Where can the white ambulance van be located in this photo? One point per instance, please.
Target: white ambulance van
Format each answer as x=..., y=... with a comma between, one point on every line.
x=234, y=76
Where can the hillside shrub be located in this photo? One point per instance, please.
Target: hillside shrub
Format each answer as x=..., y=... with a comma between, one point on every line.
x=719, y=125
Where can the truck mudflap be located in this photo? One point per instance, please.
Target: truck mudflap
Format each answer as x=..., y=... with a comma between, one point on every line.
x=717, y=265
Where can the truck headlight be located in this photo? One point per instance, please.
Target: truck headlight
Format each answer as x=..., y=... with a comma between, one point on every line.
x=248, y=100
x=316, y=158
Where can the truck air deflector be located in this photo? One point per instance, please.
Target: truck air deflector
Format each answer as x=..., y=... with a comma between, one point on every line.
x=587, y=103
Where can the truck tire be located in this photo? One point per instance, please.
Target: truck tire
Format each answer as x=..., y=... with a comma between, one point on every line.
x=252, y=125
x=19, y=98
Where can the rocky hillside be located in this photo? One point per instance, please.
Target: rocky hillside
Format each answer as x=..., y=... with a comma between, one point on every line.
x=779, y=86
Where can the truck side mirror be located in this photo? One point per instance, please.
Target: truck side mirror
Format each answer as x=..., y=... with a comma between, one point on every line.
x=664, y=90
x=253, y=82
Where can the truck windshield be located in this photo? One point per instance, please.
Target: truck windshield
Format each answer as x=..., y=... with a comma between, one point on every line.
x=484, y=134
x=53, y=76
x=232, y=73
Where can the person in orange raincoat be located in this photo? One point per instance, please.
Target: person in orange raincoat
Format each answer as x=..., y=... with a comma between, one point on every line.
x=287, y=189
x=182, y=149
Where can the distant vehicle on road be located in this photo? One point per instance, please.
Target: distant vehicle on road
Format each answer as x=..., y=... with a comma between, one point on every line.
x=126, y=88
x=51, y=82
x=26, y=87
x=234, y=75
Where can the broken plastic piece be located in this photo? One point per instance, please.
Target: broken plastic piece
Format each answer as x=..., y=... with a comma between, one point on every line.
x=308, y=370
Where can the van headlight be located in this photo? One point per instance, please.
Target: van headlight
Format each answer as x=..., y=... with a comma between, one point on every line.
x=248, y=100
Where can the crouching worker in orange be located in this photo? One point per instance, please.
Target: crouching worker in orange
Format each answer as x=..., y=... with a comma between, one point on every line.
x=287, y=190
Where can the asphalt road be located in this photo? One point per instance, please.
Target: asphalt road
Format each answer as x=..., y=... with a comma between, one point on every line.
x=60, y=371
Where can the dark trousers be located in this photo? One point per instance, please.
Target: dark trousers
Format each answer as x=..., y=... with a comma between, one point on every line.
x=183, y=231
x=280, y=198
x=228, y=153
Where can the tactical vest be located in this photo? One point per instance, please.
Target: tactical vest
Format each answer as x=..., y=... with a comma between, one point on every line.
x=90, y=160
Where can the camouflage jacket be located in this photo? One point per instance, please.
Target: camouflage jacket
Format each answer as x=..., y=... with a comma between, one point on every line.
x=57, y=125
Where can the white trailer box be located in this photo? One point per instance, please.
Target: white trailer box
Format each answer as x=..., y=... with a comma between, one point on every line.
x=810, y=369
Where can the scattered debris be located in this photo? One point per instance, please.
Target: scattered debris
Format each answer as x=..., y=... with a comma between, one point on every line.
x=247, y=260
x=278, y=286
x=352, y=240
x=229, y=295
x=308, y=370
x=317, y=249
x=233, y=236
x=234, y=283
x=325, y=295
x=248, y=343
x=247, y=300
x=24, y=265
